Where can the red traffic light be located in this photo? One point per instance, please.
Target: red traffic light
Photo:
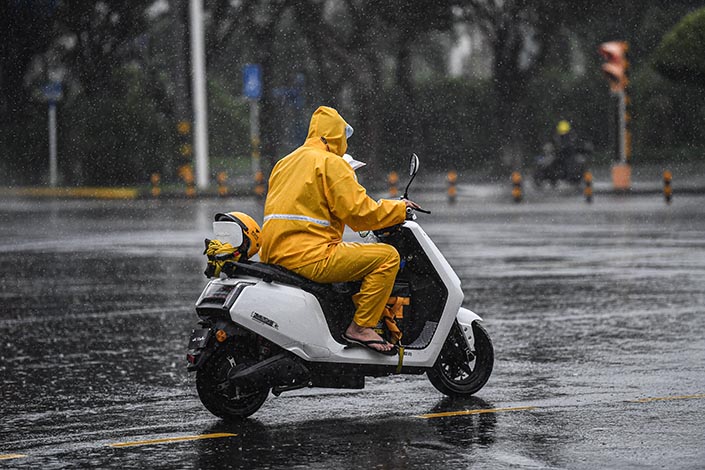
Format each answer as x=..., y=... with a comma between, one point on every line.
x=615, y=69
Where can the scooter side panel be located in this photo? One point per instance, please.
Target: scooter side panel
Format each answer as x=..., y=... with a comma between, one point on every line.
x=293, y=319
x=288, y=316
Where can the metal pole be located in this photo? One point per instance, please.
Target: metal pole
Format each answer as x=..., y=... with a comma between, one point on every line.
x=254, y=135
x=53, y=173
x=200, y=117
x=622, y=127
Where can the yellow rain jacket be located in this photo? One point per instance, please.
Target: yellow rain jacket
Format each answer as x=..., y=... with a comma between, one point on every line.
x=313, y=194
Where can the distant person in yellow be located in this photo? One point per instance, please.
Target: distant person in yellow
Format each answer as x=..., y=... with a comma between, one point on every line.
x=564, y=141
x=313, y=195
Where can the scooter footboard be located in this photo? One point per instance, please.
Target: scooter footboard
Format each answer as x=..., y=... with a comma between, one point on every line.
x=465, y=319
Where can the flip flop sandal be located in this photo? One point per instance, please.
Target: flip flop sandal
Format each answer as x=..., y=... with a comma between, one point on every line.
x=366, y=344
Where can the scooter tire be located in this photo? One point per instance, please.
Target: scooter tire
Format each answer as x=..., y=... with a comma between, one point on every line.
x=453, y=376
x=218, y=398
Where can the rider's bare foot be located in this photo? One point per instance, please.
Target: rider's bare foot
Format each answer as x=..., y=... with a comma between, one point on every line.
x=357, y=332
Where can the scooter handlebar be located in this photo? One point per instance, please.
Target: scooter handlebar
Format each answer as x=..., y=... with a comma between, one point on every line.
x=411, y=212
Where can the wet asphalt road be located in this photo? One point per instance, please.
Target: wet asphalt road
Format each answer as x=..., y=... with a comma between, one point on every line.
x=597, y=313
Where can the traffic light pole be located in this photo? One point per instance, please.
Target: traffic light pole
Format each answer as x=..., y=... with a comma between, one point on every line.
x=622, y=170
x=615, y=69
x=53, y=172
x=622, y=127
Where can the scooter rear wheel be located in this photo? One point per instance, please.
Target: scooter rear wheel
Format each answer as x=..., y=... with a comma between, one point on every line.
x=218, y=396
x=457, y=373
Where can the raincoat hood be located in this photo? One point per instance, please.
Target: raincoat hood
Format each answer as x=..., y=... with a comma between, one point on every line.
x=326, y=123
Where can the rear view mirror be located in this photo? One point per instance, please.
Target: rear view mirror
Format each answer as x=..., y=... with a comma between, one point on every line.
x=413, y=164
x=413, y=169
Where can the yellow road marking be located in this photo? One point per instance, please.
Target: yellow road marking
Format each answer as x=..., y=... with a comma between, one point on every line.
x=677, y=397
x=172, y=439
x=11, y=456
x=474, y=412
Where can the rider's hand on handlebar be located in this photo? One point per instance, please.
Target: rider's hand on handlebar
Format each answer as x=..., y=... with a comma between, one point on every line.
x=411, y=204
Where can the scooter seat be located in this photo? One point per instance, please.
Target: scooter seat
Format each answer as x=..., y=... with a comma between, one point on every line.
x=276, y=273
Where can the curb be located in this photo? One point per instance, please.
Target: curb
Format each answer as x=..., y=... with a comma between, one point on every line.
x=110, y=193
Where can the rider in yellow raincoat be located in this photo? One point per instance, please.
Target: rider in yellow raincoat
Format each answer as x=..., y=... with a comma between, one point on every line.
x=313, y=194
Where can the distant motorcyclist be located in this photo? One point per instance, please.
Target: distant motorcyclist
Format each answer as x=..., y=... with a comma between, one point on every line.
x=564, y=141
x=564, y=157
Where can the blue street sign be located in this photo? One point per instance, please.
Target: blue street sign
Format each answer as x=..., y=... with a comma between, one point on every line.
x=252, y=81
x=52, y=92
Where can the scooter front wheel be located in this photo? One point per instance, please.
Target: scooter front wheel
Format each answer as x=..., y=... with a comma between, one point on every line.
x=460, y=372
x=218, y=396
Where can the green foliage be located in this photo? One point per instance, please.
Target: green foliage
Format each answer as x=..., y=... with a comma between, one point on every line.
x=116, y=138
x=228, y=124
x=453, y=118
x=555, y=95
x=24, y=146
x=666, y=115
x=681, y=54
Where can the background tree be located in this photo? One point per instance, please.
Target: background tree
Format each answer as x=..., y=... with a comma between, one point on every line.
x=681, y=54
x=25, y=33
x=517, y=32
x=127, y=79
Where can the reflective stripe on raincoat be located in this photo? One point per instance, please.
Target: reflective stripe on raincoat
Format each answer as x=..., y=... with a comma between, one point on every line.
x=313, y=194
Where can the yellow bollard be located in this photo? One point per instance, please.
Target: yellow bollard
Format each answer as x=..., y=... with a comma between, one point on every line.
x=667, y=188
x=393, y=180
x=259, y=189
x=222, y=179
x=516, y=190
x=587, y=177
x=155, y=179
x=186, y=173
x=452, y=179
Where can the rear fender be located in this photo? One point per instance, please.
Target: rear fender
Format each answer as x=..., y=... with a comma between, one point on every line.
x=198, y=357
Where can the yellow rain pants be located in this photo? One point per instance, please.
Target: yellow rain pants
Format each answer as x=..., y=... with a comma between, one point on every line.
x=376, y=264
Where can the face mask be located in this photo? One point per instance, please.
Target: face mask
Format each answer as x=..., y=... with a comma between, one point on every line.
x=348, y=131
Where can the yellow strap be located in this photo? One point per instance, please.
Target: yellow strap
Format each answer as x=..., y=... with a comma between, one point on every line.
x=401, y=358
x=396, y=305
x=394, y=330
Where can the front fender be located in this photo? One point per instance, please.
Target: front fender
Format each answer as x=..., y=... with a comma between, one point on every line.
x=465, y=319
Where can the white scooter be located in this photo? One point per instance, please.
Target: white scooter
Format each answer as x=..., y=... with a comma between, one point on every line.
x=265, y=328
